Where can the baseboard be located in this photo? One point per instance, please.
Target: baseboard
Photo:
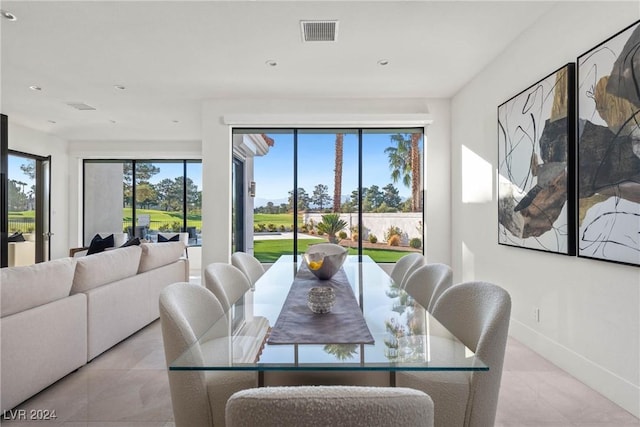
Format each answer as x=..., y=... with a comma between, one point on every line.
x=612, y=386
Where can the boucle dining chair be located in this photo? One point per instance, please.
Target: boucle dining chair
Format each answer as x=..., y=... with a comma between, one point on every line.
x=249, y=265
x=198, y=398
x=478, y=314
x=308, y=406
x=428, y=282
x=404, y=267
x=226, y=282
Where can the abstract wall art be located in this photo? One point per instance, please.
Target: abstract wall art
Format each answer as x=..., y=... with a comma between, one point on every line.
x=608, y=170
x=536, y=140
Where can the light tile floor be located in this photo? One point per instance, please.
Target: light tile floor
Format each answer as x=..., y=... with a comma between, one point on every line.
x=127, y=386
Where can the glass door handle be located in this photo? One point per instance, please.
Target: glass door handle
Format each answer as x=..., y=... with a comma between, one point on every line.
x=48, y=234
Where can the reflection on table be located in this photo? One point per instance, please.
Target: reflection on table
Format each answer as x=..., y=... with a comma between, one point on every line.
x=406, y=336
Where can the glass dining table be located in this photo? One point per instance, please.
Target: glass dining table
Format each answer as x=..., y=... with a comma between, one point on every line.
x=406, y=337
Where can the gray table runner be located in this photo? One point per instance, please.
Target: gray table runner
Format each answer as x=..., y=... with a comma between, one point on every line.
x=297, y=324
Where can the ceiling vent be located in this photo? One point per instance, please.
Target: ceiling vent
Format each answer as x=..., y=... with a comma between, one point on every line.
x=319, y=31
x=80, y=106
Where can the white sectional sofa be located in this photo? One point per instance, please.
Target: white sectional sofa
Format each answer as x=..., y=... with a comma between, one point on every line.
x=58, y=315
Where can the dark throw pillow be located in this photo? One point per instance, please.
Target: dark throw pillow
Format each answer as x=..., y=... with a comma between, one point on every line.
x=98, y=244
x=16, y=237
x=135, y=241
x=162, y=239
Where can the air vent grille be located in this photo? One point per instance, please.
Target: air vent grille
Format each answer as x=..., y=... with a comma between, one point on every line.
x=319, y=31
x=80, y=106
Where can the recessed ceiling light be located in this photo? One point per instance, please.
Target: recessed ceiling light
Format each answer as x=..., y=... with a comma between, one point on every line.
x=175, y=121
x=52, y=121
x=8, y=15
x=271, y=62
x=112, y=121
x=120, y=87
x=36, y=88
x=383, y=62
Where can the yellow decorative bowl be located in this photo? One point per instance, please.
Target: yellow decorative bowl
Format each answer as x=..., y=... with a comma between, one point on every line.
x=325, y=259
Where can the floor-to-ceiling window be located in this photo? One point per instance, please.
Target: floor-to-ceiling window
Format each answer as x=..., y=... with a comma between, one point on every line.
x=361, y=188
x=143, y=197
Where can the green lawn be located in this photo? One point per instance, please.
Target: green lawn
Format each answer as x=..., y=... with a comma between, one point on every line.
x=159, y=218
x=270, y=250
x=276, y=219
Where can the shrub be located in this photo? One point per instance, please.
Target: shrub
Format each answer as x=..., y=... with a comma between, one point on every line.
x=272, y=227
x=262, y=227
x=342, y=234
x=392, y=231
x=354, y=236
x=373, y=238
x=394, y=240
x=282, y=228
x=415, y=243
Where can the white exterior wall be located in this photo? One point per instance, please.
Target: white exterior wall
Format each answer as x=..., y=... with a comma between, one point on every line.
x=104, y=203
x=589, y=310
x=378, y=223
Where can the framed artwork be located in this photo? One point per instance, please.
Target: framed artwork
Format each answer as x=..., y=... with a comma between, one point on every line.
x=536, y=141
x=609, y=149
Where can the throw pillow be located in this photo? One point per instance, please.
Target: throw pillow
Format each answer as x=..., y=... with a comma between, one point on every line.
x=98, y=244
x=162, y=239
x=16, y=237
x=135, y=241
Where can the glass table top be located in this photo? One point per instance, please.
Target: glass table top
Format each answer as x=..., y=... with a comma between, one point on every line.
x=407, y=337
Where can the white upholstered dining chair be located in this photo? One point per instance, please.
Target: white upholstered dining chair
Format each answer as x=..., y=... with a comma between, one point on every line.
x=404, y=267
x=428, y=282
x=308, y=406
x=478, y=314
x=226, y=282
x=249, y=265
x=198, y=398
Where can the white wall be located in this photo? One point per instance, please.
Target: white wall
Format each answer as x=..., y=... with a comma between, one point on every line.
x=34, y=142
x=589, y=310
x=216, y=155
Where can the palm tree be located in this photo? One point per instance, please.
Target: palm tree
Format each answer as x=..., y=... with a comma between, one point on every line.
x=337, y=177
x=342, y=351
x=404, y=162
x=415, y=172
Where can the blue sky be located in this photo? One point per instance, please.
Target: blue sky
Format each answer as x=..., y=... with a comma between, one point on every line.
x=274, y=176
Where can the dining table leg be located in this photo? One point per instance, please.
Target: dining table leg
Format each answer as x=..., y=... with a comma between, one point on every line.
x=260, y=378
x=392, y=378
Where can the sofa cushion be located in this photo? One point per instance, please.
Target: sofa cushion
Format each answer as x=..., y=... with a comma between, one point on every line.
x=16, y=237
x=134, y=241
x=30, y=286
x=99, y=244
x=164, y=239
x=105, y=267
x=156, y=255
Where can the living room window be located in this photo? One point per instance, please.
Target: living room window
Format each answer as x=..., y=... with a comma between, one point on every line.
x=370, y=179
x=143, y=198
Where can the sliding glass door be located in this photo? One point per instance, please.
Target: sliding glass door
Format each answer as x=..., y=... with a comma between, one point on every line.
x=30, y=235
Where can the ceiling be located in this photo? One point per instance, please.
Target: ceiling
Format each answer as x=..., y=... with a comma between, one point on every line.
x=171, y=55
